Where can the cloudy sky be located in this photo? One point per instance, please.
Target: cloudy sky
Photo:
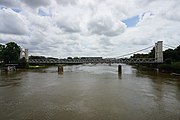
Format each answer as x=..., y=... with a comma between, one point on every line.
x=108, y=28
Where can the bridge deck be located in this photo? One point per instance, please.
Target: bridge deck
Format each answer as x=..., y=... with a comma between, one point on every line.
x=93, y=61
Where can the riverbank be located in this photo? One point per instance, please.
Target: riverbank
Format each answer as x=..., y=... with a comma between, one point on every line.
x=173, y=68
x=170, y=68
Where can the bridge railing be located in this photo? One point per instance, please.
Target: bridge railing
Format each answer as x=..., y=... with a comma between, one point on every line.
x=137, y=60
x=95, y=61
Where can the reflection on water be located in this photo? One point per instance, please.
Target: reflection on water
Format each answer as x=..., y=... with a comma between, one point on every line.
x=86, y=92
x=9, y=79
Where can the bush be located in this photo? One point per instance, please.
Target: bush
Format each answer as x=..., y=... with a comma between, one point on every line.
x=175, y=67
x=168, y=61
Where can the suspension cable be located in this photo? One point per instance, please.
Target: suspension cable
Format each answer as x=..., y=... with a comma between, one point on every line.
x=166, y=47
x=169, y=46
x=135, y=52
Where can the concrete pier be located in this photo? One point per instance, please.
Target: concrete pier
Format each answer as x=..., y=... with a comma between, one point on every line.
x=119, y=69
x=60, y=69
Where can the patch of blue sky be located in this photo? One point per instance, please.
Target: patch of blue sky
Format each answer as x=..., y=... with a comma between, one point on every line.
x=18, y=10
x=132, y=22
x=2, y=6
x=43, y=13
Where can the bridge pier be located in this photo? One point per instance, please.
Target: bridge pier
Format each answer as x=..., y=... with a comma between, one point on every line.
x=119, y=69
x=60, y=69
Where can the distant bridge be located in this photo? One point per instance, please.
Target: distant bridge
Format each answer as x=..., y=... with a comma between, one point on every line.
x=157, y=59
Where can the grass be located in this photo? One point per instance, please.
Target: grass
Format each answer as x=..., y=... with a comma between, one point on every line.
x=36, y=67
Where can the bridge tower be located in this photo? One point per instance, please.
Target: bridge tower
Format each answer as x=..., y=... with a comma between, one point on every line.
x=159, y=51
x=24, y=53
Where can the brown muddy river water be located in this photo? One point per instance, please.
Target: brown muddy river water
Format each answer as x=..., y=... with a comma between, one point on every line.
x=89, y=92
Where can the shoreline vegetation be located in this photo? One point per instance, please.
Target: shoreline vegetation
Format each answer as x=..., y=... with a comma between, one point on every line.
x=170, y=68
x=173, y=68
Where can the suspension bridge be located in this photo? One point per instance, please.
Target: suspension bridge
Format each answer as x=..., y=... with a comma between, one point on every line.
x=158, y=58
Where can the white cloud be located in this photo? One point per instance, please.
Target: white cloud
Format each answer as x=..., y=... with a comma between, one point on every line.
x=89, y=27
x=172, y=14
x=69, y=24
x=12, y=23
x=106, y=25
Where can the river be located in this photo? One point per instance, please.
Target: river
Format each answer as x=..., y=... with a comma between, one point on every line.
x=89, y=92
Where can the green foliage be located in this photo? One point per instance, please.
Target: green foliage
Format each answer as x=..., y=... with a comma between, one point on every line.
x=69, y=58
x=177, y=52
x=168, y=61
x=174, y=55
x=152, y=53
x=1, y=51
x=175, y=67
x=37, y=57
x=11, y=53
x=169, y=54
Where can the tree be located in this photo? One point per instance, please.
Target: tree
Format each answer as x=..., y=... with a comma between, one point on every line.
x=177, y=52
x=152, y=53
x=37, y=57
x=11, y=53
x=169, y=54
x=1, y=51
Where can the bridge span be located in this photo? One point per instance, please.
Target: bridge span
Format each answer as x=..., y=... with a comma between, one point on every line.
x=157, y=59
x=102, y=61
